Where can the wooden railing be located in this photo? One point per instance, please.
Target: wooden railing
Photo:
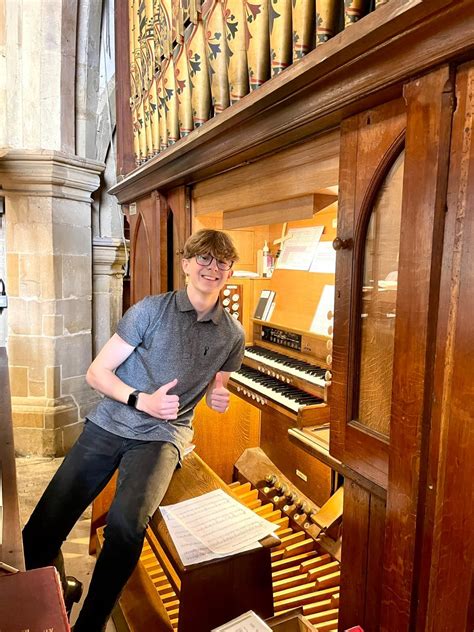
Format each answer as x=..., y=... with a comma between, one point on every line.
x=11, y=548
x=190, y=61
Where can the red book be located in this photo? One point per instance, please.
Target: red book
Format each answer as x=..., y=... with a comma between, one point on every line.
x=32, y=601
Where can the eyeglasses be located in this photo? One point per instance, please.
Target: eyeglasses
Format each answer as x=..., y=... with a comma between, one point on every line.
x=206, y=260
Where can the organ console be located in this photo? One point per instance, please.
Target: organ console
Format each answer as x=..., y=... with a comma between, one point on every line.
x=288, y=383
x=379, y=117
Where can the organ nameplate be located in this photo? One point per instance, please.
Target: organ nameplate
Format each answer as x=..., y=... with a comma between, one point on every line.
x=302, y=476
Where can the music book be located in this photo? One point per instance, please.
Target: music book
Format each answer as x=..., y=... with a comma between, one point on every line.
x=264, y=304
x=212, y=526
x=33, y=601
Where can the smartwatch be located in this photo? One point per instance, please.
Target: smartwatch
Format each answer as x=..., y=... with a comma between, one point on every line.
x=133, y=399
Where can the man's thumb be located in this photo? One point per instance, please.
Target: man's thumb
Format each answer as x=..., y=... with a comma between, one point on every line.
x=219, y=383
x=167, y=387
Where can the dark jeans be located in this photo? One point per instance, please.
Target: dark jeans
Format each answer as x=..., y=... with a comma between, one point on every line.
x=145, y=470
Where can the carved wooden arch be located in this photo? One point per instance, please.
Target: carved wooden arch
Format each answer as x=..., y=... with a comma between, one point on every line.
x=369, y=144
x=149, y=246
x=140, y=259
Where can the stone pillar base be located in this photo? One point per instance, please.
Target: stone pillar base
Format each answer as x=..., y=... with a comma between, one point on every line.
x=50, y=427
x=49, y=284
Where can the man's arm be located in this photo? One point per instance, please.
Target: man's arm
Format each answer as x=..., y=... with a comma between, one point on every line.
x=101, y=373
x=217, y=396
x=101, y=376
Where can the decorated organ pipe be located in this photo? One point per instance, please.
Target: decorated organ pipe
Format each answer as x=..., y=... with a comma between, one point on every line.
x=191, y=59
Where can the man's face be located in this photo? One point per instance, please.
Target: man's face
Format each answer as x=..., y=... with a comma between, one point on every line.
x=205, y=274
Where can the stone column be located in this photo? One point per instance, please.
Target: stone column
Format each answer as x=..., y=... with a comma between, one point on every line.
x=49, y=282
x=109, y=258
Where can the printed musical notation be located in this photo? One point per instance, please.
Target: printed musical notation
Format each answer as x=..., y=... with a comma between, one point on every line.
x=299, y=248
x=213, y=525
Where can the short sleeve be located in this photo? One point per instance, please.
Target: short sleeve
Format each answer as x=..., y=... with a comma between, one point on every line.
x=133, y=325
x=235, y=358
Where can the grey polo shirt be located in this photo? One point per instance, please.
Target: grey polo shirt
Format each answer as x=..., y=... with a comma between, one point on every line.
x=170, y=343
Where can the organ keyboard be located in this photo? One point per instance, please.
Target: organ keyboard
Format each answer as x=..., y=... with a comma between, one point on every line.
x=285, y=371
x=287, y=366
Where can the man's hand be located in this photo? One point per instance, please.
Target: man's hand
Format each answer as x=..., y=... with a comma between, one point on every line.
x=219, y=397
x=160, y=404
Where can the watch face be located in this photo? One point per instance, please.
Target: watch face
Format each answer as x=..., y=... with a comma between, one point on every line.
x=132, y=399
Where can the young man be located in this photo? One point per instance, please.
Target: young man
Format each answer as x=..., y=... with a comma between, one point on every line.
x=169, y=350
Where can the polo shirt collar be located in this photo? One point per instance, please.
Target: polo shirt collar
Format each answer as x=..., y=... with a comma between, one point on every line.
x=185, y=305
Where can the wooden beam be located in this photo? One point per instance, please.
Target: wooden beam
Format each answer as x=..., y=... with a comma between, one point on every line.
x=271, y=213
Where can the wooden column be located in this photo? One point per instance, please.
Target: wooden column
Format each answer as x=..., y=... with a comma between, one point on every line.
x=446, y=599
x=125, y=157
x=429, y=110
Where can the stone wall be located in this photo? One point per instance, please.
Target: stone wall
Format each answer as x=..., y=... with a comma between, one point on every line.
x=49, y=280
x=63, y=247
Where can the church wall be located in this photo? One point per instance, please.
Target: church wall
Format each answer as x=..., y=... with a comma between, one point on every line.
x=51, y=164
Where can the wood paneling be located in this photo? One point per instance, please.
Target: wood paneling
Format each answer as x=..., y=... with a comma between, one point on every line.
x=429, y=110
x=148, y=230
x=221, y=438
x=289, y=458
x=180, y=206
x=370, y=142
x=362, y=556
x=125, y=156
x=307, y=168
x=446, y=542
x=302, y=207
x=354, y=554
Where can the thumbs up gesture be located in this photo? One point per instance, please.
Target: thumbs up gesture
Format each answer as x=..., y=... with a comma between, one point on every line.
x=219, y=396
x=161, y=403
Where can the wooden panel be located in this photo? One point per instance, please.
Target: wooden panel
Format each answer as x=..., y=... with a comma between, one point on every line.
x=302, y=207
x=289, y=458
x=297, y=291
x=337, y=394
x=179, y=203
x=374, y=564
x=362, y=557
x=124, y=128
x=11, y=546
x=354, y=554
x=251, y=184
x=369, y=142
x=447, y=540
x=148, y=228
x=430, y=105
x=237, y=429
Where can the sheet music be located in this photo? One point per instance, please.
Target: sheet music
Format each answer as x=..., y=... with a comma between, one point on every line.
x=321, y=322
x=299, y=249
x=213, y=525
x=324, y=258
